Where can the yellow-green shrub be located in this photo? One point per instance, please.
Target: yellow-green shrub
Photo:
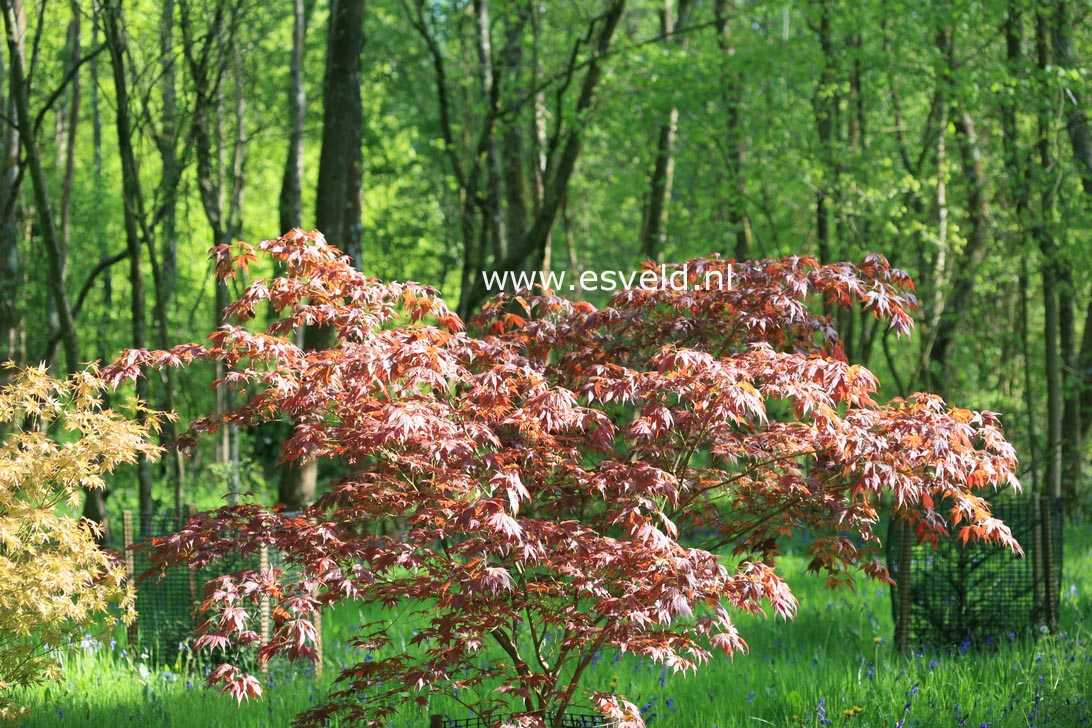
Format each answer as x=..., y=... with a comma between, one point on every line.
x=55, y=583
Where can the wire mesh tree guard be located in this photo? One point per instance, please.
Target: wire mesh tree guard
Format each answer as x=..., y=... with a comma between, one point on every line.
x=166, y=607
x=976, y=593
x=569, y=720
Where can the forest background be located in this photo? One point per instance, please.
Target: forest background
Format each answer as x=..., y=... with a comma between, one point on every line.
x=432, y=140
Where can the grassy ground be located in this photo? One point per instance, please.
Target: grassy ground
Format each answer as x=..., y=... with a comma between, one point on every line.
x=834, y=665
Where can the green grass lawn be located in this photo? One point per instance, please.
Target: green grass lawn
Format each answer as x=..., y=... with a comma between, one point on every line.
x=833, y=665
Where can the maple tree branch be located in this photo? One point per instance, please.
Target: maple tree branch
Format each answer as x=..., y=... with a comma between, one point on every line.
x=762, y=520
x=574, y=681
x=737, y=476
x=518, y=662
x=683, y=462
x=535, y=641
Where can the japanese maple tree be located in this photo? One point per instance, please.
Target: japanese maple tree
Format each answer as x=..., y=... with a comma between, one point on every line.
x=540, y=468
x=56, y=584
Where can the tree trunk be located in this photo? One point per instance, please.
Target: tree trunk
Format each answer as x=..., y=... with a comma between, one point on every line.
x=290, y=205
x=825, y=103
x=513, y=148
x=1031, y=411
x=72, y=126
x=1052, y=486
x=564, y=149
x=167, y=143
x=1078, y=409
x=538, y=119
x=340, y=189
x=164, y=257
x=10, y=315
x=955, y=306
x=492, y=231
x=94, y=506
x=15, y=24
x=135, y=232
x=654, y=226
x=1050, y=271
x=1072, y=442
x=732, y=98
x=1016, y=172
x=206, y=60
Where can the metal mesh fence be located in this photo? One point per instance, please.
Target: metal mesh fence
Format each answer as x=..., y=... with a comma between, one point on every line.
x=980, y=593
x=166, y=606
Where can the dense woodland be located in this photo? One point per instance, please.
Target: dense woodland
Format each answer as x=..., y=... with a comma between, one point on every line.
x=434, y=140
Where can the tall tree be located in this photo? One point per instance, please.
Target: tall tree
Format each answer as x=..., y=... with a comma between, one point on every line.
x=731, y=82
x=10, y=176
x=563, y=147
x=71, y=122
x=826, y=103
x=653, y=239
x=340, y=189
x=164, y=257
x=492, y=232
x=340, y=195
x=209, y=52
x=290, y=205
x=1078, y=365
x=15, y=26
x=137, y=232
x=953, y=308
x=1044, y=230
